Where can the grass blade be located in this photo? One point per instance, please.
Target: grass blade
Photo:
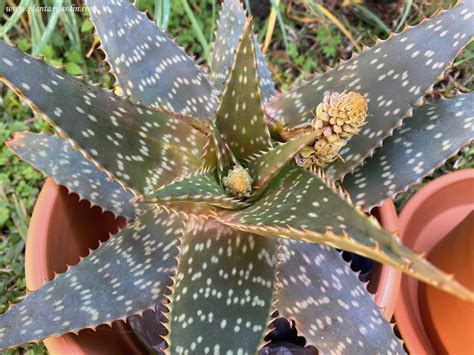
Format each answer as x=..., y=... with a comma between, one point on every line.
x=274, y=15
x=197, y=28
x=405, y=15
x=68, y=19
x=214, y=19
x=24, y=4
x=158, y=13
x=37, y=25
x=247, y=7
x=166, y=14
x=53, y=20
x=331, y=17
x=369, y=15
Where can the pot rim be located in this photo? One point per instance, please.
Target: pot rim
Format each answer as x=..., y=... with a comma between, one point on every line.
x=429, y=189
x=389, y=278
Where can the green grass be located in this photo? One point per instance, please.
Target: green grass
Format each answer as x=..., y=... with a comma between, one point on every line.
x=311, y=46
x=19, y=186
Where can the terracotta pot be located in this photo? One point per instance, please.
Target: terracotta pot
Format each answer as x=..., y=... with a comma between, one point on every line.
x=427, y=318
x=444, y=316
x=385, y=280
x=63, y=228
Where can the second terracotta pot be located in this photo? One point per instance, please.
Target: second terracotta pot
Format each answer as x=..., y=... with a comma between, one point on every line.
x=447, y=318
x=432, y=321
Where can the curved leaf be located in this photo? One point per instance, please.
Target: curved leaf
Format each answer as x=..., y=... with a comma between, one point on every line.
x=393, y=75
x=230, y=25
x=150, y=328
x=225, y=159
x=140, y=147
x=265, y=167
x=149, y=65
x=209, y=156
x=240, y=116
x=304, y=206
x=436, y=132
x=55, y=157
x=222, y=295
x=330, y=306
x=133, y=270
x=201, y=187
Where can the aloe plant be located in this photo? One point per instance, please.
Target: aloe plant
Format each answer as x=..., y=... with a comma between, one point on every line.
x=225, y=226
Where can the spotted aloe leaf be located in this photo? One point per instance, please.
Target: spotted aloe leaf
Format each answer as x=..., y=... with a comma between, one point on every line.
x=209, y=157
x=144, y=148
x=150, y=328
x=330, y=306
x=436, y=132
x=222, y=295
x=286, y=209
x=241, y=116
x=224, y=157
x=55, y=157
x=231, y=23
x=201, y=187
x=263, y=168
x=150, y=66
x=133, y=270
x=406, y=64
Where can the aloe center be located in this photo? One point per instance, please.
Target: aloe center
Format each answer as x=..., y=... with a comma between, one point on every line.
x=238, y=182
